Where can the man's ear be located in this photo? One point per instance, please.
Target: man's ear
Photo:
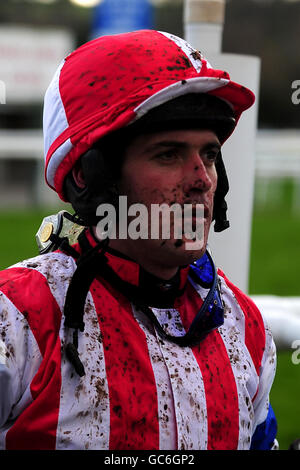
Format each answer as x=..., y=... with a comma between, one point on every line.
x=78, y=176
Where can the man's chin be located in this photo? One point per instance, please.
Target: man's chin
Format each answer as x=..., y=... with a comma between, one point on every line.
x=184, y=251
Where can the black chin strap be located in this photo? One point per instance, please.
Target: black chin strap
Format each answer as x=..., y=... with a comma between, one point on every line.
x=220, y=205
x=88, y=265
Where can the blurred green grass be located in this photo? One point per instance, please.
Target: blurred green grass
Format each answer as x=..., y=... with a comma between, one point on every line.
x=284, y=397
x=17, y=234
x=275, y=254
x=275, y=244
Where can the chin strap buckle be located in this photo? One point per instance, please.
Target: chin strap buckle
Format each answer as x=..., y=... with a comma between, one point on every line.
x=58, y=231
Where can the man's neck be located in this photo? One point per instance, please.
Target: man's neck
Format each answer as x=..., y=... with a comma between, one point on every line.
x=159, y=270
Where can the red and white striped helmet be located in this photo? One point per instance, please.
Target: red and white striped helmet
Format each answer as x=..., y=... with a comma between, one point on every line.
x=112, y=81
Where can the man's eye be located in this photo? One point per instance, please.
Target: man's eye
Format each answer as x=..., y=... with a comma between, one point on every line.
x=167, y=156
x=212, y=156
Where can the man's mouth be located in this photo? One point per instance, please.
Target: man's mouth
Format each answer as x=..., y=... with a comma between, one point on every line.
x=198, y=210
x=192, y=220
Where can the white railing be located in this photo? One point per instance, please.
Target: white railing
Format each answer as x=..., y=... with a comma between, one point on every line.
x=21, y=144
x=28, y=145
x=277, y=158
x=283, y=316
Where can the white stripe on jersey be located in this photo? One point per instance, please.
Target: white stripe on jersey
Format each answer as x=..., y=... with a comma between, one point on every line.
x=268, y=369
x=187, y=402
x=233, y=335
x=166, y=412
x=23, y=359
x=57, y=268
x=84, y=420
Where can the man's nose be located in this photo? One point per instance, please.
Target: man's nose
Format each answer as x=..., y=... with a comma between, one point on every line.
x=196, y=174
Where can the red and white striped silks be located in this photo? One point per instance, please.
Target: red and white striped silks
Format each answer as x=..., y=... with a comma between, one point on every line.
x=139, y=391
